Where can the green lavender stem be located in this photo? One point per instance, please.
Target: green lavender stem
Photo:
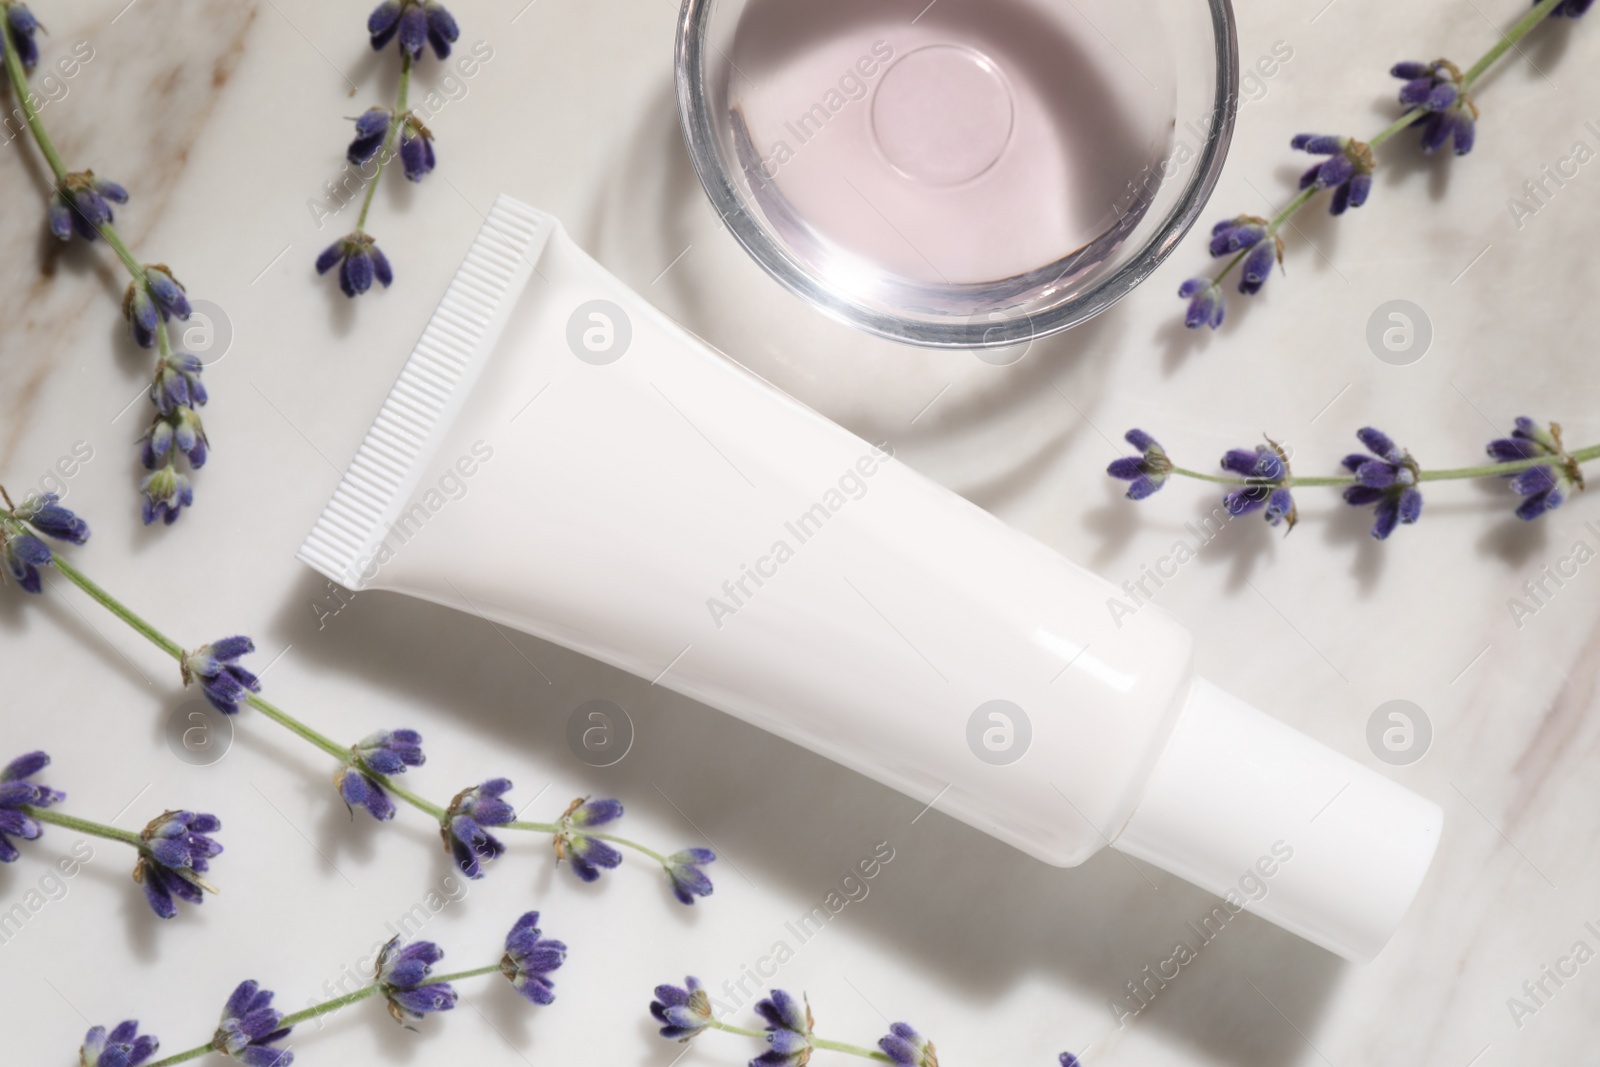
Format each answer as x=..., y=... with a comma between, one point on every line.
x=401, y=99
x=324, y=1008
x=1487, y=470
x=816, y=1042
x=343, y=753
x=84, y=826
x=166, y=644
x=1524, y=26
x=30, y=113
x=47, y=148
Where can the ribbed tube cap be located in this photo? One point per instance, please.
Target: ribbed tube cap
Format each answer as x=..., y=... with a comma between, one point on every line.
x=1274, y=821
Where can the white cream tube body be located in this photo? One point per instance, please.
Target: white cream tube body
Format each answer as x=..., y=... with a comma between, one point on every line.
x=561, y=458
x=673, y=515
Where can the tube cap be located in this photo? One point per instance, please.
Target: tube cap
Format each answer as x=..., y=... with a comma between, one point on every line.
x=1283, y=826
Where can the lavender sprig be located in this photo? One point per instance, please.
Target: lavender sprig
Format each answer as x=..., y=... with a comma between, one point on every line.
x=368, y=769
x=175, y=445
x=1387, y=478
x=174, y=850
x=382, y=133
x=251, y=1030
x=1435, y=99
x=687, y=1011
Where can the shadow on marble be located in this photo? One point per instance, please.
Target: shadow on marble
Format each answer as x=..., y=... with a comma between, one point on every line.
x=980, y=915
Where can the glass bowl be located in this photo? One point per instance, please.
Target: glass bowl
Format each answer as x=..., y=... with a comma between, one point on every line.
x=961, y=173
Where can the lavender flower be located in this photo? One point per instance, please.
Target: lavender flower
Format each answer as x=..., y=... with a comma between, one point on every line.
x=1069, y=1060
x=403, y=977
x=181, y=429
x=589, y=854
x=17, y=794
x=225, y=683
x=904, y=1045
x=1234, y=235
x=176, y=852
x=416, y=149
x=166, y=493
x=688, y=880
x=463, y=830
x=1386, y=478
x=1251, y=234
x=385, y=752
x=371, y=128
x=1266, y=463
x=1544, y=487
x=1347, y=170
x=360, y=263
x=530, y=958
x=1437, y=88
x=124, y=1046
x=1146, y=472
x=24, y=554
x=177, y=383
x=21, y=25
x=1205, y=303
x=140, y=311
x=82, y=202
x=789, y=1025
x=416, y=22
x=682, y=1013
x=167, y=291
x=249, y=1025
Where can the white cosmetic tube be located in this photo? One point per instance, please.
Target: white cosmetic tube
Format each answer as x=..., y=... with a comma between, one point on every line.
x=561, y=458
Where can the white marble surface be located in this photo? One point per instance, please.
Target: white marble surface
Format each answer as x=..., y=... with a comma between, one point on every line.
x=224, y=118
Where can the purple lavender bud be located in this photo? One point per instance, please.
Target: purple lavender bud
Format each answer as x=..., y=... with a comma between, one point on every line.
x=413, y=29
x=416, y=150
x=1347, y=170
x=689, y=880
x=359, y=262
x=682, y=1012
x=903, y=1045
x=387, y=752
x=588, y=855
x=17, y=794
x=1543, y=488
x=44, y=513
x=23, y=555
x=530, y=958
x=1205, y=303
x=21, y=25
x=1386, y=480
x=384, y=23
x=1146, y=472
x=166, y=493
x=140, y=311
x=167, y=292
x=215, y=666
x=124, y=1046
x=177, y=383
x=1257, y=267
x=442, y=29
x=403, y=972
x=464, y=833
x=371, y=128
x=249, y=1025
x=177, y=851
x=788, y=1027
